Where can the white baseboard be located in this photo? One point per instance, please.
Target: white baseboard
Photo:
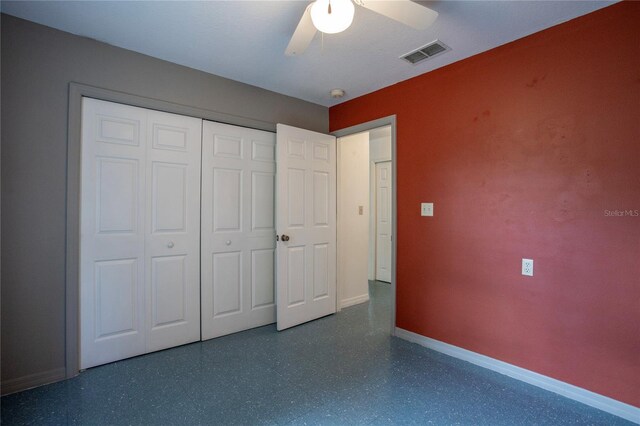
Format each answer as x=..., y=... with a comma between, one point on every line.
x=344, y=303
x=32, y=381
x=601, y=402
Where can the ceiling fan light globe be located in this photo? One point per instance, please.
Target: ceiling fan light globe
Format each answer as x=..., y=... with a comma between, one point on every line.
x=338, y=20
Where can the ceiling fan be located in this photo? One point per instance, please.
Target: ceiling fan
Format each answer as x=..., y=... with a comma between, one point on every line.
x=334, y=16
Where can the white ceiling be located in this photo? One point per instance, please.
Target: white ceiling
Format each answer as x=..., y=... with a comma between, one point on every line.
x=245, y=40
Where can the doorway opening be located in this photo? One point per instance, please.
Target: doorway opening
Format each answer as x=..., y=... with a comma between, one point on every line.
x=366, y=215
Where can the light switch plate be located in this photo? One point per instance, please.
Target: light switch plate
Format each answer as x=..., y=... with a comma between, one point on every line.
x=426, y=209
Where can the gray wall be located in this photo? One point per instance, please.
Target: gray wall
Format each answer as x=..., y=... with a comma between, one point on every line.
x=38, y=63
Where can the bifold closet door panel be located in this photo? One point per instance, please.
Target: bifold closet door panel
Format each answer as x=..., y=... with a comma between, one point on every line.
x=238, y=232
x=112, y=262
x=173, y=230
x=140, y=214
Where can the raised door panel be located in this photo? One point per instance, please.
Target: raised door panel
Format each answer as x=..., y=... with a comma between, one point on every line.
x=321, y=152
x=296, y=276
x=263, y=150
x=320, y=271
x=296, y=194
x=227, y=200
x=262, y=278
x=238, y=231
x=117, y=195
x=227, y=283
x=296, y=149
x=116, y=309
x=227, y=146
x=169, y=197
x=262, y=201
x=321, y=199
x=172, y=138
x=116, y=129
x=169, y=288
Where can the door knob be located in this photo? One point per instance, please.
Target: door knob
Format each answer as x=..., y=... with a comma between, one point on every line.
x=170, y=245
x=284, y=237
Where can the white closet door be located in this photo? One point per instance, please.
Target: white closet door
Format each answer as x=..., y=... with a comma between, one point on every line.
x=383, y=221
x=139, y=242
x=306, y=206
x=112, y=232
x=238, y=234
x=173, y=230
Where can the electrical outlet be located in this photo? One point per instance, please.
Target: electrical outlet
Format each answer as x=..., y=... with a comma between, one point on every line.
x=426, y=209
x=527, y=267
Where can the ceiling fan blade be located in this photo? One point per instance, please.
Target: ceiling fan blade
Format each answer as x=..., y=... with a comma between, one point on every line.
x=302, y=36
x=404, y=11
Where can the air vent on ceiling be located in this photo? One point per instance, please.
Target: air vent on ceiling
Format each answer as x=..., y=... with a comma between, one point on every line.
x=425, y=52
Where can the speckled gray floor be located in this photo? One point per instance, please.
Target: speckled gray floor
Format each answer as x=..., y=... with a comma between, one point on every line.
x=341, y=369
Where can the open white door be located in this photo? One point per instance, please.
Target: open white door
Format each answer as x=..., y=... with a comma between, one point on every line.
x=306, y=224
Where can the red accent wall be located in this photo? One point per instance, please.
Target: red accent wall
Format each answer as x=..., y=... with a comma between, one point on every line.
x=523, y=149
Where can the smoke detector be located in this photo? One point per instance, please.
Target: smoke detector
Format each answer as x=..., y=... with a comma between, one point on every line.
x=337, y=93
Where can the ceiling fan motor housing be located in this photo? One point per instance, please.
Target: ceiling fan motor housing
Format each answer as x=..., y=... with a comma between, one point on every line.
x=332, y=16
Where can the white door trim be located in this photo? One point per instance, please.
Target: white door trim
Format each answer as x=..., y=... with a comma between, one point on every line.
x=367, y=126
